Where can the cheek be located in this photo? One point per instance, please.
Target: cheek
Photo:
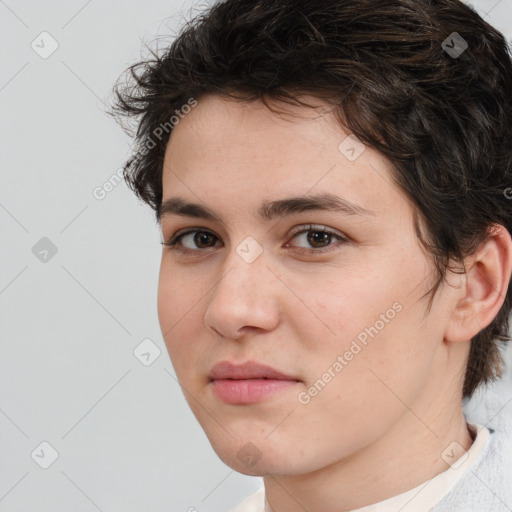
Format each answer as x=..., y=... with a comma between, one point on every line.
x=384, y=361
x=175, y=314
x=177, y=298
x=164, y=294
x=347, y=308
x=376, y=330
x=358, y=403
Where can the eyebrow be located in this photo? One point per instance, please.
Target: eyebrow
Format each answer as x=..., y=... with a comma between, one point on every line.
x=269, y=210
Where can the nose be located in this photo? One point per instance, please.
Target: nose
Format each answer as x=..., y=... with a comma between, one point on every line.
x=245, y=298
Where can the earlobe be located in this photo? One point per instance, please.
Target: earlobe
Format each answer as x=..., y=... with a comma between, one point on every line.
x=484, y=287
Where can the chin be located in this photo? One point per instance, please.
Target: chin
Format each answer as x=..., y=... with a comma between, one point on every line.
x=243, y=461
x=244, y=444
x=257, y=458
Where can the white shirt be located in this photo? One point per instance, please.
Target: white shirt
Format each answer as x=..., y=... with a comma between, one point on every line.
x=422, y=498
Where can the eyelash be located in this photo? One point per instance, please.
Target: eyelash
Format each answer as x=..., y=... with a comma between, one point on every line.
x=172, y=243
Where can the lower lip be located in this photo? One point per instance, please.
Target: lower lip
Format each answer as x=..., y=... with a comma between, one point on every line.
x=246, y=391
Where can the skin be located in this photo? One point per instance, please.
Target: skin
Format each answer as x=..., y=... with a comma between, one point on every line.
x=379, y=427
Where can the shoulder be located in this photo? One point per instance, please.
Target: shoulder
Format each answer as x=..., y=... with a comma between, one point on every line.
x=488, y=481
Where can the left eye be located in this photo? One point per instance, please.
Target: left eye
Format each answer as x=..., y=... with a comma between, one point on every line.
x=317, y=237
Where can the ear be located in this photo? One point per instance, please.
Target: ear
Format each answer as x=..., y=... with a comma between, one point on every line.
x=483, y=288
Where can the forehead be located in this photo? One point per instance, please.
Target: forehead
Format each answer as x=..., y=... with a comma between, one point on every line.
x=215, y=120
x=226, y=152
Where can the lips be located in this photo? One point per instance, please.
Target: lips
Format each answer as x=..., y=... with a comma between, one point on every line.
x=249, y=370
x=248, y=383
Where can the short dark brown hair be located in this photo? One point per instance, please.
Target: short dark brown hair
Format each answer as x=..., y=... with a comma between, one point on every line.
x=443, y=120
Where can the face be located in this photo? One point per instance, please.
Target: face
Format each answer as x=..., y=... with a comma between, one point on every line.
x=329, y=297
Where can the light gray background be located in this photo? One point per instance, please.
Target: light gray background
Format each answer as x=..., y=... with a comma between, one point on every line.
x=125, y=438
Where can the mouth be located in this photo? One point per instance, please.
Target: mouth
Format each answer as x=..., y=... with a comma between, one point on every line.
x=247, y=383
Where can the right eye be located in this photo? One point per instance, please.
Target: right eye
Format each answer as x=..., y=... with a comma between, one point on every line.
x=199, y=237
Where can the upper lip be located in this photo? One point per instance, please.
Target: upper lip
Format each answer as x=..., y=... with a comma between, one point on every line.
x=248, y=370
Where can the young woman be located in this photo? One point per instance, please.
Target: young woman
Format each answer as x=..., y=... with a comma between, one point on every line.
x=331, y=182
